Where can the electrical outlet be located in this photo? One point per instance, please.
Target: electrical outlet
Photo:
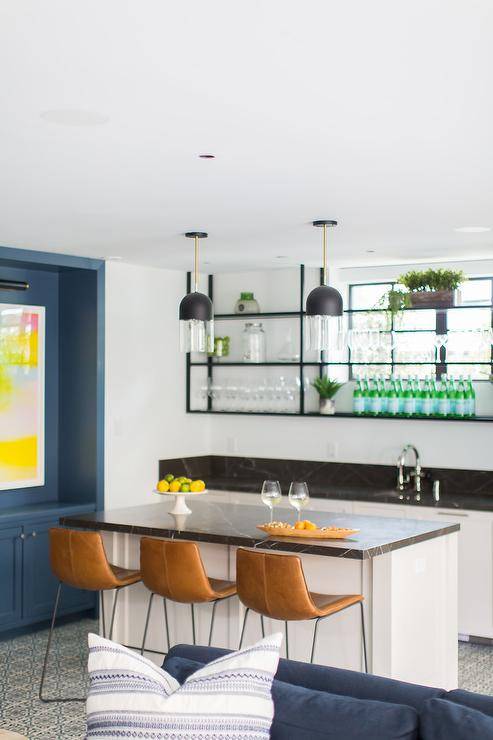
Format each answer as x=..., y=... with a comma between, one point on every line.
x=332, y=450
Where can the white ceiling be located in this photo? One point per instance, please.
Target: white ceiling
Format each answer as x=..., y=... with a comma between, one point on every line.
x=378, y=114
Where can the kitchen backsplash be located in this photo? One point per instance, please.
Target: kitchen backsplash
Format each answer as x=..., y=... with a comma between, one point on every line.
x=248, y=473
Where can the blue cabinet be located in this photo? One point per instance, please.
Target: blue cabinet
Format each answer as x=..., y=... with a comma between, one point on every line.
x=10, y=576
x=39, y=583
x=27, y=585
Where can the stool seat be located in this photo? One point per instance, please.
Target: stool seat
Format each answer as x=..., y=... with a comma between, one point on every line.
x=125, y=576
x=222, y=589
x=326, y=605
x=274, y=586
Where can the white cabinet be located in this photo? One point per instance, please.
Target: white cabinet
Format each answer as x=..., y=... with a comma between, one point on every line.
x=331, y=504
x=367, y=508
x=475, y=567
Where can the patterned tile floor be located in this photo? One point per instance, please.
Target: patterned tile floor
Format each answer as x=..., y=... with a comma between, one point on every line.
x=20, y=668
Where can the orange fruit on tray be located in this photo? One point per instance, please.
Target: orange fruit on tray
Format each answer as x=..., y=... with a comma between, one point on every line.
x=299, y=525
x=310, y=525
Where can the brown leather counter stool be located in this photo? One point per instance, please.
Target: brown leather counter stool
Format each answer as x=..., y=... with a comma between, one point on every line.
x=274, y=586
x=175, y=571
x=78, y=559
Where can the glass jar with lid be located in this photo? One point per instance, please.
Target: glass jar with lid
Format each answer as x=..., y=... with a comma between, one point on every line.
x=253, y=341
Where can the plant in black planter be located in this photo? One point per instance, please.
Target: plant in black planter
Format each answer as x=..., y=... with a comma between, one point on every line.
x=326, y=389
x=432, y=288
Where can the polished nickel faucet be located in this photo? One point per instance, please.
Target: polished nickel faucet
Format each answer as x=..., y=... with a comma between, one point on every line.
x=402, y=478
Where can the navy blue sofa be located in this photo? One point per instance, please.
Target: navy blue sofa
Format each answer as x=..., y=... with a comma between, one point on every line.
x=313, y=702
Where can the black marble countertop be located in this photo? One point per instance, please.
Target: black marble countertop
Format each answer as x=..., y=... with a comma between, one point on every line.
x=478, y=502
x=235, y=524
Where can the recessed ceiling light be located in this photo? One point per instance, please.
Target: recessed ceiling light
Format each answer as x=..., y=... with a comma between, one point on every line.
x=473, y=229
x=370, y=251
x=207, y=156
x=281, y=257
x=74, y=117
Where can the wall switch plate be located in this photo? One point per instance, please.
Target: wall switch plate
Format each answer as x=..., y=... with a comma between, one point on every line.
x=420, y=565
x=332, y=450
x=232, y=444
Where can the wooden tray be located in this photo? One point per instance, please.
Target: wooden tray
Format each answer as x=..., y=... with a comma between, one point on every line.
x=318, y=534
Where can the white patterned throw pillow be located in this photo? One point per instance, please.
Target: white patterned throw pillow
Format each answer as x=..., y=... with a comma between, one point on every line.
x=228, y=699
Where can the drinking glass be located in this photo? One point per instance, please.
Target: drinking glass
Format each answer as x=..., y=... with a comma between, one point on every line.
x=271, y=494
x=298, y=496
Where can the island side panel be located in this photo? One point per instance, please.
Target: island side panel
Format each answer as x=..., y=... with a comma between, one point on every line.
x=415, y=613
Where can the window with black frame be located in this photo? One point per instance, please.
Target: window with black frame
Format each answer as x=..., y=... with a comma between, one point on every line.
x=421, y=342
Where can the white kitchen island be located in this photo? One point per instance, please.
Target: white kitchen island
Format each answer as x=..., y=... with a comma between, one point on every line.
x=406, y=569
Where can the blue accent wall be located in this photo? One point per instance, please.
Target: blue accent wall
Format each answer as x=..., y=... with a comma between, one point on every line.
x=43, y=291
x=72, y=291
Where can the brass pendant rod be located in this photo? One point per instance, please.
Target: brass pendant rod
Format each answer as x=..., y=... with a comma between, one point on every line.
x=196, y=265
x=324, y=242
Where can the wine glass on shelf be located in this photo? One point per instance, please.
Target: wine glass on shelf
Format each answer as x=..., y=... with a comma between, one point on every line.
x=298, y=496
x=271, y=494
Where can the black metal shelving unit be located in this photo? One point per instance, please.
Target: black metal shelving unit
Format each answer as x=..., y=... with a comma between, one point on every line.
x=210, y=364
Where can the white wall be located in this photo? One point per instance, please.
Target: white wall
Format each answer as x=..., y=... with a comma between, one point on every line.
x=379, y=441
x=145, y=382
x=145, y=401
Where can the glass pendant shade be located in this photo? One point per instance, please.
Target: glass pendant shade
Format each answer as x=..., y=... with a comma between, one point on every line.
x=196, y=313
x=324, y=309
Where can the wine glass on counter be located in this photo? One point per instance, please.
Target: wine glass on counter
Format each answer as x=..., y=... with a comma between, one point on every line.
x=298, y=496
x=271, y=495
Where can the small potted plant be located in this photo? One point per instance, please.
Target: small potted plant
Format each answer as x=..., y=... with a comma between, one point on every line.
x=432, y=288
x=326, y=389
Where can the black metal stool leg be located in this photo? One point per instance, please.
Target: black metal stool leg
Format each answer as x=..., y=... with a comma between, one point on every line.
x=101, y=596
x=243, y=628
x=287, y=641
x=262, y=625
x=193, y=625
x=45, y=662
x=212, y=621
x=364, y=635
x=115, y=601
x=147, y=623
x=167, y=624
x=314, y=639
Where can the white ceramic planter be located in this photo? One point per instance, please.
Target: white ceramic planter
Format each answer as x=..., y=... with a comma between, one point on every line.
x=327, y=407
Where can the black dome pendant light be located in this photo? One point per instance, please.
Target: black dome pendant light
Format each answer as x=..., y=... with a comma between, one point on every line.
x=324, y=306
x=196, y=322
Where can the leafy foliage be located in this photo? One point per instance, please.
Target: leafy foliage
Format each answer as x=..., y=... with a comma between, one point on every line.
x=432, y=280
x=325, y=387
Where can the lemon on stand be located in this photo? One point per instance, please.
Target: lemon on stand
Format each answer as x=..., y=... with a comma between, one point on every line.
x=163, y=486
x=175, y=486
x=197, y=486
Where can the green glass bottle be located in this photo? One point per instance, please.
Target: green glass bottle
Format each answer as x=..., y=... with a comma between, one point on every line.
x=460, y=401
x=408, y=397
x=426, y=399
x=417, y=397
x=383, y=396
x=470, y=398
x=374, y=399
x=400, y=396
x=392, y=398
x=358, y=400
x=443, y=401
x=451, y=390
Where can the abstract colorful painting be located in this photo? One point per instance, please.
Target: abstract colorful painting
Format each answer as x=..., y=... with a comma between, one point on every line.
x=22, y=365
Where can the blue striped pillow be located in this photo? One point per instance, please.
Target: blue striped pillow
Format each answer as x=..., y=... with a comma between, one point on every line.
x=228, y=699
